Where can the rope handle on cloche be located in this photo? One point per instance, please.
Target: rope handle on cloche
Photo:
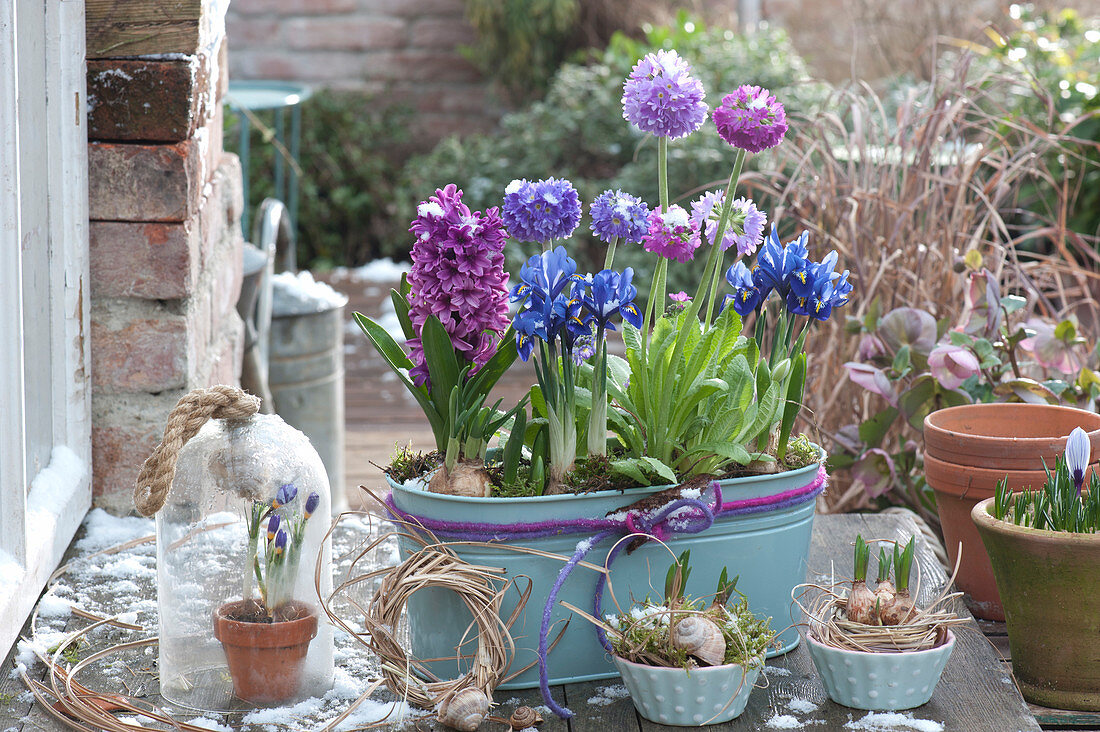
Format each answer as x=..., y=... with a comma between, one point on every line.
x=184, y=422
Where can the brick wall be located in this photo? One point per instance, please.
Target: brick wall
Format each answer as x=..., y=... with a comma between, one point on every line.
x=403, y=50
x=165, y=243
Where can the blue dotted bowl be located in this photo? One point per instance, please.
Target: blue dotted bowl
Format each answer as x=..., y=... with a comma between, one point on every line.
x=706, y=695
x=879, y=681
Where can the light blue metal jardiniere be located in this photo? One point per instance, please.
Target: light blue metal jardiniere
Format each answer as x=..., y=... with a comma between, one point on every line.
x=765, y=544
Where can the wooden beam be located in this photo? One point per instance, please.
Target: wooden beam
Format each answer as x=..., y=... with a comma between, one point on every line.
x=139, y=27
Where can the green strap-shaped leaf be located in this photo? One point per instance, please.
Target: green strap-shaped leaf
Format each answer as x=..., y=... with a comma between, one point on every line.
x=400, y=363
x=793, y=402
x=401, y=307
x=440, y=357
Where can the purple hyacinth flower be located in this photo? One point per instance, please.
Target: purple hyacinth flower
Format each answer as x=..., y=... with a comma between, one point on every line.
x=1077, y=456
x=611, y=294
x=541, y=211
x=746, y=295
x=618, y=215
x=311, y=503
x=660, y=96
x=751, y=119
x=672, y=235
x=273, y=526
x=458, y=276
x=284, y=495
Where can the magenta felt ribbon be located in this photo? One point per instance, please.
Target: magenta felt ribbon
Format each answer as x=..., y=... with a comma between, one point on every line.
x=682, y=516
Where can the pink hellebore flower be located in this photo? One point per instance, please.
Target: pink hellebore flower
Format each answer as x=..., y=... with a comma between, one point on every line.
x=1049, y=350
x=874, y=472
x=873, y=380
x=952, y=365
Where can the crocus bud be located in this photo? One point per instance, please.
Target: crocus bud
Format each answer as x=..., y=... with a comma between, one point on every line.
x=311, y=503
x=1077, y=456
x=273, y=526
x=280, y=542
x=285, y=495
x=952, y=365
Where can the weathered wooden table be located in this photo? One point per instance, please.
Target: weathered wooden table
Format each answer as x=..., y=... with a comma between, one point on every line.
x=975, y=694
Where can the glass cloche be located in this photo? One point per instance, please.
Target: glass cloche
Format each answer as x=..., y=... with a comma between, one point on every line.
x=238, y=542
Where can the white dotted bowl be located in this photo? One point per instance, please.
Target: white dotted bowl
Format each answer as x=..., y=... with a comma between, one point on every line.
x=707, y=695
x=880, y=681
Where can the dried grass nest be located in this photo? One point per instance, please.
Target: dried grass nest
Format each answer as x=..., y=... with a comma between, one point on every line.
x=432, y=565
x=827, y=620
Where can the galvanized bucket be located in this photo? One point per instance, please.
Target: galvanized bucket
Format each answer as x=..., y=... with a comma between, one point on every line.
x=306, y=378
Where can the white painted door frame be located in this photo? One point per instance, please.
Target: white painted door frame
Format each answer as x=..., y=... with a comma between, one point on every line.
x=42, y=62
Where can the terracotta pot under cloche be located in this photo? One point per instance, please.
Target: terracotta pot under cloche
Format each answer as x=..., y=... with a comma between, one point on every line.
x=968, y=449
x=265, y=659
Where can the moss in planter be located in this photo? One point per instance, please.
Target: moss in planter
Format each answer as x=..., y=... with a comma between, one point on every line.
x=594, y=473
x=645, y=633
x=407, y=464
x=800, y=453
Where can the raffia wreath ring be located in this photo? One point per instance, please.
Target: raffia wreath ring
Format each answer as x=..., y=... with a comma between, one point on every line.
x=435, y=565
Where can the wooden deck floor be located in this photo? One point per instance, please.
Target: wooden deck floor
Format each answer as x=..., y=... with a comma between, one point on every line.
x=975, y=693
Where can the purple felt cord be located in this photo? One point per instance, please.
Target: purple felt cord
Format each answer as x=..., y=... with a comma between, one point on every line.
x=582, y=550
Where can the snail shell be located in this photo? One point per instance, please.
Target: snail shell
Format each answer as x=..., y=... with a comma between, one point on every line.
x=701, y=638
x=464, y=710
x=524, y=717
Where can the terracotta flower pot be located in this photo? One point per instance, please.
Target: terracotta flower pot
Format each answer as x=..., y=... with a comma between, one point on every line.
x=1050, y=588
x=968, y=449
x=265, y=659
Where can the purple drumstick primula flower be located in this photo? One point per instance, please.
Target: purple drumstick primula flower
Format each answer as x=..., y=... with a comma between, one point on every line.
x=541, y=211
x=660, y=96
x=745, y=227
x=673, y=235
x=618, y=215
x=751, y=119
x=458, y=276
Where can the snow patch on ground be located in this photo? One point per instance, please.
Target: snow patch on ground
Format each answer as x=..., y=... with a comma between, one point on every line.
x=608, y=695
x=883, y=721
x=783, y=721
x=801, y=706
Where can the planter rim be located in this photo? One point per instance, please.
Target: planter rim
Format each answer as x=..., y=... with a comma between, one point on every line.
x=704, y=669
x=984, y=520
x=911, y=654
x=935, y=420
x=809, y=471
x=301, y=629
